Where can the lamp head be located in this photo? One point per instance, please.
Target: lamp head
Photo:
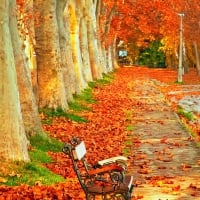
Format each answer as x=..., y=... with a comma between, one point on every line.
x=181, y=14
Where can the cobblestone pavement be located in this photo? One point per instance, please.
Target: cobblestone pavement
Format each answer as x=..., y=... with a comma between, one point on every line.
x=166, y=160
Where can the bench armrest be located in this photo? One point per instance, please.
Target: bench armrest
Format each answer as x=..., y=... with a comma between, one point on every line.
x=112, y=160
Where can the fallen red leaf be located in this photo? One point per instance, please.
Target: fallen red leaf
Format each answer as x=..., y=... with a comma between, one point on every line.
x=176, y=188
x=144, y=171
x=138, y=197
x=185, y=167
x=164, y=139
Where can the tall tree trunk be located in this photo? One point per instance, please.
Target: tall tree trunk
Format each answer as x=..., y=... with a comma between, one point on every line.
x=197, y=57
x=115, y=53
x=92, y=40
x=190, y=54
x=75, y=13
x=106, y=43
x=51, y=89
x=109, y=59
x=29, y=107
x=63, y=49
x=100, y=42
x=84, y=45
x=168, y=59
x=13, y=141
x=185, y=60
x=72, y=82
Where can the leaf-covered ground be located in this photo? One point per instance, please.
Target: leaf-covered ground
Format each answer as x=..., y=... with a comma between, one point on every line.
x=111, y=131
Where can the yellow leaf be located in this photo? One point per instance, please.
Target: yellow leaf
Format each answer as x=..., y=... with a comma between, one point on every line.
x=3, y=180
x=159, y=183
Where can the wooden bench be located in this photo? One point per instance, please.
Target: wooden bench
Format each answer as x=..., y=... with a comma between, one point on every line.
x=106, y=179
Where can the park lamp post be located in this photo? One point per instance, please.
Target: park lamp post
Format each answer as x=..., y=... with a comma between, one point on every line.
x=180, y=60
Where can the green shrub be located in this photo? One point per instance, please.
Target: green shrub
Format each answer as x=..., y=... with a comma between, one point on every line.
x=152, y=56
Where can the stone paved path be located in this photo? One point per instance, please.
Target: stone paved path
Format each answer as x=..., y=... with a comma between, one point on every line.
x=165, y=158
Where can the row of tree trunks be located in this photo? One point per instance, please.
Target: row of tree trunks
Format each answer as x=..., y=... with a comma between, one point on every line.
x=67, y=52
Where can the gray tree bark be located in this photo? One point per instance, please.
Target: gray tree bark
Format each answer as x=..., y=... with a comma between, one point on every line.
x=65, y=52
x=13, y=141
x=197, y=57
x=29, y=107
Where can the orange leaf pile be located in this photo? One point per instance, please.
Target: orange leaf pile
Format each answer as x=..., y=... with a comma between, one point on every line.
x=104, y=135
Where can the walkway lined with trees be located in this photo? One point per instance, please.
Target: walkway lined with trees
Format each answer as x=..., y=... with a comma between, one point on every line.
x=51, y=51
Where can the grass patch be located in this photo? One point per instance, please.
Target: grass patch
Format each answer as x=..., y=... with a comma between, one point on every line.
x=86, y=96
x=129, y=115
x=179, y=83
x=34, y=172
x=188, y=115
x=76, y=118
x=189, y=129
x=79, y=104
x=130, y=128
x=106, y=79
x=126, y=151
x=128, y=142
x=127, y=147
x=45, y=144
x=76, y=106
x=39, y=156
x=59, y=112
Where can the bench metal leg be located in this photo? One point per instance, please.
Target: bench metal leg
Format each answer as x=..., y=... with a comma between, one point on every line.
x=110, y=197
x=90, y=197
